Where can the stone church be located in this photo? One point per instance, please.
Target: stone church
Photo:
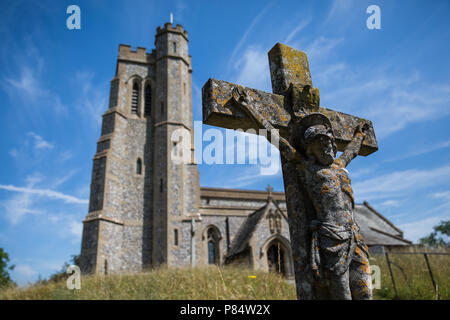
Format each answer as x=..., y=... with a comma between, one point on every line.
x=145, y=210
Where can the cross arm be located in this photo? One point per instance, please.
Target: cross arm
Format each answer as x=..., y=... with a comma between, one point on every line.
x=219, y=109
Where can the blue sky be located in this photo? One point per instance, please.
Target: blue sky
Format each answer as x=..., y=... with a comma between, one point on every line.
x=54, y=87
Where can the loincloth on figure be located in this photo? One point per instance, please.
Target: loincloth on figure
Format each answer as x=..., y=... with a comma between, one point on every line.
x=334, y=247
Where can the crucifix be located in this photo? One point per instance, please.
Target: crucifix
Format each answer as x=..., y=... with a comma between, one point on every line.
x=314, y=181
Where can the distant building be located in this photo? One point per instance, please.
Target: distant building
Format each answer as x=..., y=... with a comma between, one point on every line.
x=145, y=210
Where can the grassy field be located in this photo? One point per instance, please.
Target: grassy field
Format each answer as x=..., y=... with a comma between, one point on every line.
x=233, y=283
x=198, y=283
x=414, y=283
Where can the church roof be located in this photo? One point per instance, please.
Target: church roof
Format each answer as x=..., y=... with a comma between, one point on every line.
x=247, y=228
x=245, y=232
x=377, y=229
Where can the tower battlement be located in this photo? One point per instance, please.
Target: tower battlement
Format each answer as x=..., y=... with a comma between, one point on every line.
x=138, y=55
x=168, y=27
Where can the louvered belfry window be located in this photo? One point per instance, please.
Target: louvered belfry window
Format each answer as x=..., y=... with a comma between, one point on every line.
x=139, y=166
x=148, y=100
x=135, y=99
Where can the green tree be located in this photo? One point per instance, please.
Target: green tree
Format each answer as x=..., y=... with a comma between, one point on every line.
x=439, y=237
x=5, y=279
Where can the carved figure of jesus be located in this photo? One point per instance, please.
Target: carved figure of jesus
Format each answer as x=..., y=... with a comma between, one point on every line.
x=339, y=255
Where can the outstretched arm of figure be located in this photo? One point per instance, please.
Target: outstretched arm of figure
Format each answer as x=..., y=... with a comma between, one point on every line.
x=287, y=151
x=352, y=149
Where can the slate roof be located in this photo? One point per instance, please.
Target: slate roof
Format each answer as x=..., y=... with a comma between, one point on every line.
x=245, y=232
x=377, y=229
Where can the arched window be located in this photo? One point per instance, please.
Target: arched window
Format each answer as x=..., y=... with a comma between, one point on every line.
x=139, y=166
x=135, y=98
x=211, y=252
x=213, y=238
x=275, y=257
x=148, y=100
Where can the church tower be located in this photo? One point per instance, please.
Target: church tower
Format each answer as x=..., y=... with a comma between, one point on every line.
x=141, y=202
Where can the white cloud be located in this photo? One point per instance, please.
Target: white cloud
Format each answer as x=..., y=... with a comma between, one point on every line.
x=247, y=32
x=422, y=150
x=25, y=270
x=45, y=193
x=253, y=69
x=18, y=206
x=400, y=183
x=390, y=100
x=415, y=230
x=92, y=99
x=39, y=142
x=391, y=203
x=27, y=86
x=65, y=155
x=441, y=195
x=13, y=153
x=76, y=228
x=248, y=176
x=22, y=204
x=61, y=180
x=338, y=13
x=302, y=25
x=321, y=48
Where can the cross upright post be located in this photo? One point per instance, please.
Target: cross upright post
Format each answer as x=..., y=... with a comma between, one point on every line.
x=289, y=69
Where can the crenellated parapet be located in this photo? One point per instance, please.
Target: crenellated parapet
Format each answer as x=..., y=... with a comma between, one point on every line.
x=139, y=55
x=168, y=27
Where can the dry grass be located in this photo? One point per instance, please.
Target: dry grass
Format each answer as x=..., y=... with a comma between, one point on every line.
x=209, y=283
x=212, y=283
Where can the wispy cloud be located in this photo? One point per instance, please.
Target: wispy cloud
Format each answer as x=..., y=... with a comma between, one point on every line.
x=254, y=69
x=422, y=150
x=338, y=13
x=25, y=270
x=26, y=85
x=321, y=47
x=250, y=175
x=391, y=203
x=420, y=228
x=45, y=193
x=39, y=142
x=302, y=25
x=92, y=100
x=21, y=204
x=400, y=183
x=390, y=100
x=250, y=28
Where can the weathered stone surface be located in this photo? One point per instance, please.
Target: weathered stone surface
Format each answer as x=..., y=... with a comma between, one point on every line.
x=219, y=110
x=288, y=65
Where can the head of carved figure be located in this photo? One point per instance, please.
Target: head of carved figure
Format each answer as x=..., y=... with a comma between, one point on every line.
x=318, y=138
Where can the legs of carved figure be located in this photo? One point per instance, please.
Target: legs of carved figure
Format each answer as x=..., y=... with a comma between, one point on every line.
x=338, y=286
x=360, y=279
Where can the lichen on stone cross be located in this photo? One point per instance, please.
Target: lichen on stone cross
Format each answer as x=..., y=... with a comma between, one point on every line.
x=293, y=108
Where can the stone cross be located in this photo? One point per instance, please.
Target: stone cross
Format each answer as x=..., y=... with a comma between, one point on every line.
x=288, y=66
